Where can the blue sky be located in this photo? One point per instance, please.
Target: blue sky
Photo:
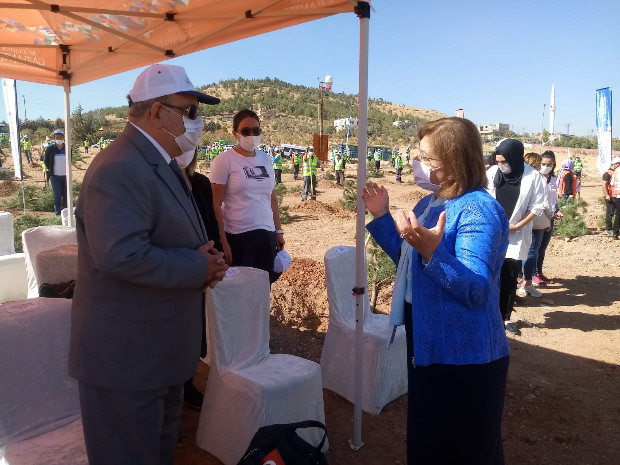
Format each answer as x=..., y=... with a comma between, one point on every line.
x=495, y=59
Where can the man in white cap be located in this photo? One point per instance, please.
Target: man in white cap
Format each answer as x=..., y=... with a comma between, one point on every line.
x=144, y=261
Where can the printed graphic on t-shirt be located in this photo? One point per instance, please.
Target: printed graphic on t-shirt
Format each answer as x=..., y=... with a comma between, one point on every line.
x=255, y=172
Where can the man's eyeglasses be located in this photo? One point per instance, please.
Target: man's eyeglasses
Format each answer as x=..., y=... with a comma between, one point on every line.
x=192, y=111
x=245, y=132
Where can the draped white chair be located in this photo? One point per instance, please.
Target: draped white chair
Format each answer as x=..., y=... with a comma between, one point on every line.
x=42, y=238
x=40, y=420
x=247, y=386
x=13, y=280
x=384, y=370
x=7, y=240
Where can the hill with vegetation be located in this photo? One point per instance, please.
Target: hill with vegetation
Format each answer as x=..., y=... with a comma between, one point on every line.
x=289, y=114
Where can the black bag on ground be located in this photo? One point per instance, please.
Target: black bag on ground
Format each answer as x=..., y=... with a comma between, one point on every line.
x=61, y=291
x=281, y=445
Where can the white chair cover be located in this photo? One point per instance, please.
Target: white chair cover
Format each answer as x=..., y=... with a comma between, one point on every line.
x=384, y=370
x=39, y=402
x=7, y=240
x=64, y=216
x=247, y=386
x=13, y=280
x=42, y=238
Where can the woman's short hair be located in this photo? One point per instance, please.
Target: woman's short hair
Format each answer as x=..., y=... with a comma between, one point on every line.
x=533, y=159
x=457, y=142
x=243, y=114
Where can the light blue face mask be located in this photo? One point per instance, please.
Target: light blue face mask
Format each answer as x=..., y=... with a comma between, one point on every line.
x=422, y=175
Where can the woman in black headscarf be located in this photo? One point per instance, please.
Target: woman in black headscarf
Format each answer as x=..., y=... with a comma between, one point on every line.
x=520, y=191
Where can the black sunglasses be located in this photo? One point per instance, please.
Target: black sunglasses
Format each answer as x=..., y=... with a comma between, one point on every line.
x=245, y=132
x=192, y=111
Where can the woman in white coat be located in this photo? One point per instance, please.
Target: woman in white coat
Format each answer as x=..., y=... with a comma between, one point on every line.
x=520, y=191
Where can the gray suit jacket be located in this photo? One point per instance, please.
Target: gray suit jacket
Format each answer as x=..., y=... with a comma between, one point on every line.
x=136, y=315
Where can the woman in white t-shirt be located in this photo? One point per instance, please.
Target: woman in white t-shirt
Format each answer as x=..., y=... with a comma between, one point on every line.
x=245, y=202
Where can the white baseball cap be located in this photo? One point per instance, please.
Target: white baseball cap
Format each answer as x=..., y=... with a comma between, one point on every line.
x=158, y=80
x=282, y=262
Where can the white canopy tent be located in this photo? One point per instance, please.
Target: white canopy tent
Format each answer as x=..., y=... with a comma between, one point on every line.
x=69, y=42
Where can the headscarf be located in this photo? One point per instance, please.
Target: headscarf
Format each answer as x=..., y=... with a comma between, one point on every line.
x=512, y=150
x=567, y=165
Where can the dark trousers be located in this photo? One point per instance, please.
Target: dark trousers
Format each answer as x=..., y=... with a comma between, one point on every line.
x=377, y=165
x=454, y=413
x=340, y=177
x=508, y=286
x=546, y=238
x=131, y=427
x=295, y=172
x=59, y=186
x=28, y=156
x=616, y=227
x=278, y=176
x=309, y=183
x=399, y=172
x=609, y=214
x=255, y=248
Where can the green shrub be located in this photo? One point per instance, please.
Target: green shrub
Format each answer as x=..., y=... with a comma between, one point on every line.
x=297, y=188
x=37, y=199
x=30, y=221
x=571, y=225
x=7, y=175
x=329, y=176
x=280, y=189
x=370, y=170
x=285, y=217
x=349, y=195
x=381, y=269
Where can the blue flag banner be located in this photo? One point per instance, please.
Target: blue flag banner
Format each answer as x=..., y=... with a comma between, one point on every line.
x=603, y=128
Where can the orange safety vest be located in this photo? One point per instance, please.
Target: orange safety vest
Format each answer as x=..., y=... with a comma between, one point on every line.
x=610, y=189
x=561, y=187
x=614, y=184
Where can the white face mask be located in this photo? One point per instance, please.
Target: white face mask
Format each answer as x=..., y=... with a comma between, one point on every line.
x=422, y=176
x=506, y=169
x=185, y=159
x=249, y=143
x=59, y=141
x=193, y=132
x=545, y=169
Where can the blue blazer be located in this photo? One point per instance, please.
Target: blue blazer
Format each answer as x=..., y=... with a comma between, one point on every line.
x=455, y=297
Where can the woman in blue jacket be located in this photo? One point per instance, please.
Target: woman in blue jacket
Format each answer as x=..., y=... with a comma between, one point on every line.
x=449, y=253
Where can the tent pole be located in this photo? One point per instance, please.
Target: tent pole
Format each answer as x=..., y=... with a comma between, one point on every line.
x=67, y=86
x=363, y=11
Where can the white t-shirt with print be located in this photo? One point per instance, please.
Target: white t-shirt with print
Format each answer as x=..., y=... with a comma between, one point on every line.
x=249, y=181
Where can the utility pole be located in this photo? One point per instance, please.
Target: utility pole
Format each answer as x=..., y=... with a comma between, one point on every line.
x=542, y=129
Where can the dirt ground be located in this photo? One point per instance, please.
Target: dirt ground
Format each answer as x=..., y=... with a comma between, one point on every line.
x=562, y=403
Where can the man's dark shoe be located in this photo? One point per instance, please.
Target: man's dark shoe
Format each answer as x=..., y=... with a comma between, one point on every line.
x=193, y=397
x=520, y=300
x=615, y=236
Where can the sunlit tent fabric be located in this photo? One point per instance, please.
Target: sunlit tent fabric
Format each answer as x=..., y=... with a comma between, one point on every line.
x=46, y=41
x=70, y=42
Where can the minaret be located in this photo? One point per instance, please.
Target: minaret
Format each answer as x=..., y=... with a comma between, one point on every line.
x=552, y=109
